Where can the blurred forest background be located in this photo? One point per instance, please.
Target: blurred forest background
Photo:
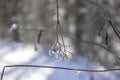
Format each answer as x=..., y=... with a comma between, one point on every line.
x=79, y=19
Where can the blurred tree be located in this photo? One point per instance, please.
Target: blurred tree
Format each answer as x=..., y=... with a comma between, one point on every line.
x=8, y=10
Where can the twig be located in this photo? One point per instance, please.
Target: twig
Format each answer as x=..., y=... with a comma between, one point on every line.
x=117, y=32
x=92, y=43
x=58, y=49
x=39, y=38
x=101, y=27
x=101, y=46
x=104, y=11
x=53, y=67
x=110, y=51
x=110, y=22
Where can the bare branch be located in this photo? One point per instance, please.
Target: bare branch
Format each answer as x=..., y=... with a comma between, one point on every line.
x=53, y=67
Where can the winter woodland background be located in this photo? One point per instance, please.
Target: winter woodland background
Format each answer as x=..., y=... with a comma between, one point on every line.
x=80, y=21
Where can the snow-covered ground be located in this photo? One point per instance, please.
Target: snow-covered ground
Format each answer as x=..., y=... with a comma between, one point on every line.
x=16, y=53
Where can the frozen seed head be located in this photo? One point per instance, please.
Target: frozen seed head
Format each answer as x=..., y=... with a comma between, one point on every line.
x=59, y=53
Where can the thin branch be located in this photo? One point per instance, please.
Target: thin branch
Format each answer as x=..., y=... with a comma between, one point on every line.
x=1, y=78
x=53, y=67
x=101, y=46
x=115, y=28
x=110, y=22
x=104, y=11
x=117, y=32
x=94, y=20
x=110, y=51
x=101, y=27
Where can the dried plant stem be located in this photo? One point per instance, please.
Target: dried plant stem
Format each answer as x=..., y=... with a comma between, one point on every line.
x=104, y=11
x=114, y=27
x=116, y=30
x=59, y=30
x=58, y=49
x=110, y=23
x=101, y=27
x=52, y=67
x=110, y=51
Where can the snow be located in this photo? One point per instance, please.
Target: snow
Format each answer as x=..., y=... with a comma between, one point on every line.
x=18, y=53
